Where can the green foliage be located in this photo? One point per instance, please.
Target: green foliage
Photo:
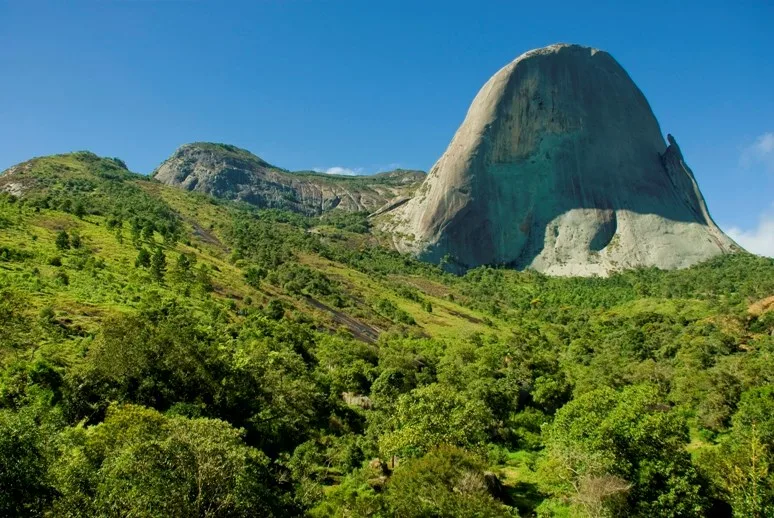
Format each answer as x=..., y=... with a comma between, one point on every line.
x=158, y=266
x=79, y=211
x=447, y=481
x=143, y=259
x=289, y=365
x=203, y=278
x=140, y=463
x=62, y=278
x=8, y=254
x=356, y=222
x=254, y=275
x=433, y=415
x=354, y=496
x=606, y=444
x=24, y=490
x=345, y=365
x=183, y=268
x=155, y=359
x=83, y=183
x=743, y=467
x=75, y=240
x=301, y=280
x=275, y=310
x=62, y=240
x=388, y=308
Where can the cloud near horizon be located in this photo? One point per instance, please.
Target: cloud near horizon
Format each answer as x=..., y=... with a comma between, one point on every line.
x=357, y=171
x=344, y=171
x=759, y=153
x=759, y=240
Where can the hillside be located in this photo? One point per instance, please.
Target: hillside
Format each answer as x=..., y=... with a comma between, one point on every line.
x=232, y=173
x=167, y=353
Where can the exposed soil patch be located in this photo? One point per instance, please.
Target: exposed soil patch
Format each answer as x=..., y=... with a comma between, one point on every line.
x=469, y=318
x=205, y=235
x=359, y=330
x=762, y=306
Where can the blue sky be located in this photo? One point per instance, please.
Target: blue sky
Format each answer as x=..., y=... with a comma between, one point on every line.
x=367, y=85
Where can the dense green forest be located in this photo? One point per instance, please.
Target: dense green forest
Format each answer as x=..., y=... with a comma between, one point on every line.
x=164, y=354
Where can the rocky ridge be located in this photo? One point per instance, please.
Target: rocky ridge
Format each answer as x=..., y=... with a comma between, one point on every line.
x=229, y=172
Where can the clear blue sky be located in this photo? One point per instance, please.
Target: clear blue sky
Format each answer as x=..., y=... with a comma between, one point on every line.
x=365, y=85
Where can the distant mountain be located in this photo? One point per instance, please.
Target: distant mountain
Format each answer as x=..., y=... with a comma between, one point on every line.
x=560, y=166
x=58, y=176
x=229, y=172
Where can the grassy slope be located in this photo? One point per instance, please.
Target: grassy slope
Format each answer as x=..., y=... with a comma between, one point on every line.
x=90, y=295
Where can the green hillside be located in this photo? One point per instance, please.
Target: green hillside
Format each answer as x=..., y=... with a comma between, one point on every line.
x=163, y=353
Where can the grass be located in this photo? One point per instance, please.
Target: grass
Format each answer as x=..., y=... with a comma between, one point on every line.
x=117, y=286
x=447, y=319
x=520, y=481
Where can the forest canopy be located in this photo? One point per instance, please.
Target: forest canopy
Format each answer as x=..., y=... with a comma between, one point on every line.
x=167, y=354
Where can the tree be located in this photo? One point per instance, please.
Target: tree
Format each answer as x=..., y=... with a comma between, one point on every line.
x=141, y=463
x=743, y=466
x=157, y=358
x=747, y=475
x=79, y=210
x=183, y=267
x=275, y=310
x=143, y=259
x=62, y=278
x=75, y=240
x=254, y=275
x=24, y=490
x=136, y=230
x=203, y=278
x=624, y=453
x=147, y=231
x=447, y=481
x=433, y=415
x=756, y=408
x=112, y=222
x=158, y=265
x=62, y=240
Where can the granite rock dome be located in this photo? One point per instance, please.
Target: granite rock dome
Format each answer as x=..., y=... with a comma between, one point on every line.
x=560, y=165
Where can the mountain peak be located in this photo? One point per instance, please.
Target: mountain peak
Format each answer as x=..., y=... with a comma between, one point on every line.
x=229, y=172
x=560, y=165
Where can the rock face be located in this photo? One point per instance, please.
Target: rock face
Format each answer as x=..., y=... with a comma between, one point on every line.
x=559, y=165
x=229, y=172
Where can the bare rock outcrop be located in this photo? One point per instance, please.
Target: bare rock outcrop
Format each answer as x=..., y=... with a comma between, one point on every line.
x=226, y=171
x=560, y=165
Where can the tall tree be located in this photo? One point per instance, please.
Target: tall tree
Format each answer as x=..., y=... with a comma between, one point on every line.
x=62, y=240
x=158, y=265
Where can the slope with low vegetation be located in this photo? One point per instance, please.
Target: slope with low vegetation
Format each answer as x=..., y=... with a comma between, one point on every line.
x=163, y=353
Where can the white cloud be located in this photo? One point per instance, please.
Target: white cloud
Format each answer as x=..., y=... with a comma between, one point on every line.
x=345, y=171
x=388, y=167
x=760, y=152
x=358, y=171
x=759, y=240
